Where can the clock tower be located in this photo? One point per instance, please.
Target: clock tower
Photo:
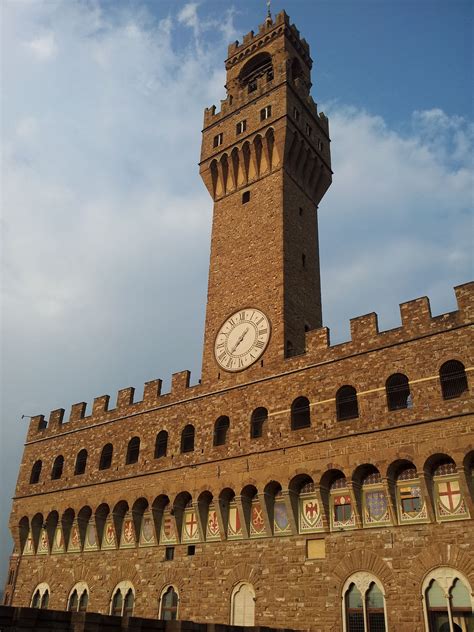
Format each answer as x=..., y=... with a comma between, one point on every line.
x=266, y=162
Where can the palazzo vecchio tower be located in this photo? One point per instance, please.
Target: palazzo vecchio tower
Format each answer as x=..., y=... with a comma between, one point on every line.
x=299, y=484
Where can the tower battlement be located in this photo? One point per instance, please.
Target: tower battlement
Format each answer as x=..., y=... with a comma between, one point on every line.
x=416, y=321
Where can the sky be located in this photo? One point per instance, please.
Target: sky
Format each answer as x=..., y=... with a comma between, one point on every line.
x=106, y=225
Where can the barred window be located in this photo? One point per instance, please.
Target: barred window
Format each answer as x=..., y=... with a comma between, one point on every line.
x=300, y=413
x=453, y=379
x=106, y=457
x=161, y=444
x=133, y=451
x=346, y=403
x=221, y=428
x=397, y=390
x=364, y=604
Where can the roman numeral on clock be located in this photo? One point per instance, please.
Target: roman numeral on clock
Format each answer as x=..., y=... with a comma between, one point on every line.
x=259, y=344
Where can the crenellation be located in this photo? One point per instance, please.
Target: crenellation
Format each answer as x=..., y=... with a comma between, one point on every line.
x=416, y=314
x=364, y=329
x=56, y=418
x=78, y=411
x=152, y=390
x=179, y=383
x=100, y=406
x=125, y=397
x=465, y=299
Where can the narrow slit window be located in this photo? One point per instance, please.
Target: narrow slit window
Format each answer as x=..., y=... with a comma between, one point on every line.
x=245, y=197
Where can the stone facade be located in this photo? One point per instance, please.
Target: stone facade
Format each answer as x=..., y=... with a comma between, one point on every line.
x=373, y=482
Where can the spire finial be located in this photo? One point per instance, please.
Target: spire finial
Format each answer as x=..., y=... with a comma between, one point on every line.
x=269, y=11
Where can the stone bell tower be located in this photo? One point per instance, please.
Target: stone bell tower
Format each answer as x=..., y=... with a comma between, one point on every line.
x=266, y=162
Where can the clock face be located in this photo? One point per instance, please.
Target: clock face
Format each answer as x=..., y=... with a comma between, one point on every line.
x=242, y=339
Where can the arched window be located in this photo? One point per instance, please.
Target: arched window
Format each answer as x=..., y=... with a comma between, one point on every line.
x=123, y=598
x=106, y=457
x=78, y=598
x=161, y=444
x=346, y=403
x=169, y=604
x=300, y=415
x=57, y=470
x=40, y=597
x=187, y=439
x=397, y=390
x=243, y=605
x=447, y=598
x=452, y=376
x=36, y=472
x=257, y=422
x=81, y=462
x=258, y=66
x=363, y=604
x=221, y=428
x=133, y=451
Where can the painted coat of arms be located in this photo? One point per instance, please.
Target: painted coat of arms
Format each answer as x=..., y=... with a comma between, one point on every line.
x=234, y=527
x=212, y=531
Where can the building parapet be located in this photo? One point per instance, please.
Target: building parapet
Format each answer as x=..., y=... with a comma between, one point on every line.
x=417, y=321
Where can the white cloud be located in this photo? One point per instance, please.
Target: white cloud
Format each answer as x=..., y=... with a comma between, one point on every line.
x=43, y=47
x=106, y=223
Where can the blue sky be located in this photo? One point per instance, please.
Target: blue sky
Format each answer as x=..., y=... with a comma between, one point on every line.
x=106, y=224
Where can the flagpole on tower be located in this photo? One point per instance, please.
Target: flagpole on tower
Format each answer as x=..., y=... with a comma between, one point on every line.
x=269, y=11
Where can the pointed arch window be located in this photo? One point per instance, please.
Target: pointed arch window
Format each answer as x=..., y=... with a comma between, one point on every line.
x=40, y=598
x=187, y=439
x=161, y=444
x=448, y=604
x=81, y=462
x=453, y=379
x=133, y=451
x=258, y=422
x=346, y=403
x=57, y=470
x=106, y=457
x=243, y=605
x=397, y=389
x=169, y=604
x=364, y=604
x=36, y=472
x=123, y=599
x=300, y=413
x=78, y=598
x=221, y=428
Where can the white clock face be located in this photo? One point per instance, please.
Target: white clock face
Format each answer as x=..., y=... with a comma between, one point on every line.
x=242, y=339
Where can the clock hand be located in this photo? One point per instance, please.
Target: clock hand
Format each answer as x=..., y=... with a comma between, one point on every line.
x=239, y=340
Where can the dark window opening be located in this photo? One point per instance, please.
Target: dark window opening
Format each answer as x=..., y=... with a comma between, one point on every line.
x=300, y=211
x=128, y=603
x=296, y=114
x=106, y=457
x=218, y=140
x=289, y=348
x=83, y=601
x=161, y=444
x=73, y=602
x=81, y=462
x=36, y=472
x=221, y=428
x=117, y=603
x=453, y=379
x=309, y=130
x=257, y=422
x=191, y=549
x=169, y=553
x=398, y=392
x=45, y=600
x=257, y=67
x=266, y=113
x=57, y=470
x=303, y=260
x=346, y=403
x=133, y=451
x=241, y=127
x=187, y=439
x=245, y=197
x=300, y=413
